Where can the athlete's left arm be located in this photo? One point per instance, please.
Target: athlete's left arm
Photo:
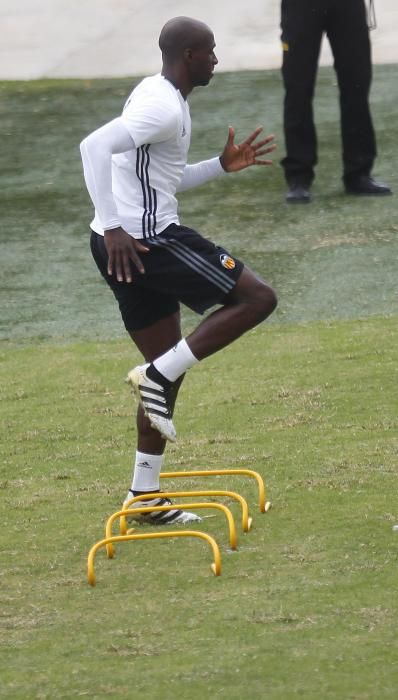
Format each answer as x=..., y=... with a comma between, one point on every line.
x=199, y=173
x=233, y=158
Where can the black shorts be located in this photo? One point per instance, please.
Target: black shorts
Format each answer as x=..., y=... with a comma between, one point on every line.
x=181, y=266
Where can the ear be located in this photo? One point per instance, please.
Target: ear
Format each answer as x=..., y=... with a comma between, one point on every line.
x=188, y=54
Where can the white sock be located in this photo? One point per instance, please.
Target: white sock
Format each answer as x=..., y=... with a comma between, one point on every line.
x=146, y=472
x=176, y=361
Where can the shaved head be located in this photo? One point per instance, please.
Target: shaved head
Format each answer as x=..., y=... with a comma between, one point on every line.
x=181, y=33
x=188, y=57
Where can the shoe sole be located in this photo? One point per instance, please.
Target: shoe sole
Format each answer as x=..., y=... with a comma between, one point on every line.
x=369, y=194
x=298, y=201
x=147, y=520
x=133, y=378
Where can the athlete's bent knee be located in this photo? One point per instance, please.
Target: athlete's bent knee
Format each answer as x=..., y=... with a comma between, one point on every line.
x=265, y=301
x=257, y=298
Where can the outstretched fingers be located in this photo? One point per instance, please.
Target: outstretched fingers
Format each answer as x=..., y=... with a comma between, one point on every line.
x=237, y=157
x=263, y=151
x=258, y=161
x=253, y=136
x=259, y=150
x=263, y=142
x=231, y=136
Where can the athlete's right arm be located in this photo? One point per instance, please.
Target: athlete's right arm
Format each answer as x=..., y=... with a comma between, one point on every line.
x=96, y=151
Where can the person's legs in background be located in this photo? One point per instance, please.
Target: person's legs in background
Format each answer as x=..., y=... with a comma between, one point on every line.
x=348, y=34
x=302, y=26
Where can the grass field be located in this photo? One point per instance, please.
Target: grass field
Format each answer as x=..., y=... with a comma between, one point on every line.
x=307, y=605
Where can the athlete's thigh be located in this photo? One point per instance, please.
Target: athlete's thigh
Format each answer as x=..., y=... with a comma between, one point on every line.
x=194, y=270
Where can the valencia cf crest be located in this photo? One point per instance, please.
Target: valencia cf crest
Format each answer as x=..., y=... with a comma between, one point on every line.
x=227, y=261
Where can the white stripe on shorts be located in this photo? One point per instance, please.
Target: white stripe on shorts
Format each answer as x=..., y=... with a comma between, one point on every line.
x=193, y=260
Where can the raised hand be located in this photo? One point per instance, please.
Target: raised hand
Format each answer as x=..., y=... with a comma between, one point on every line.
x=237, y=157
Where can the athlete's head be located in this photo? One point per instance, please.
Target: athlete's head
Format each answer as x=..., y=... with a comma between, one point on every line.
x=189, y=43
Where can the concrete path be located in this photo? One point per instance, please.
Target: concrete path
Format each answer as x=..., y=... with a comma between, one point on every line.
x=98, y=38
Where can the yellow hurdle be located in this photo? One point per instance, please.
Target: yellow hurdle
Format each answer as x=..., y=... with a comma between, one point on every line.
x=246, y=519
x=151, y=509
x=263, y=503
x=215, y=566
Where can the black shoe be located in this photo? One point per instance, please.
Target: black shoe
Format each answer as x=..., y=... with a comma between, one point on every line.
x=366, y=185
x=298, y=194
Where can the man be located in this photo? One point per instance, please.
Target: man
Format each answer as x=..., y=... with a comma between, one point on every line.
x=345, y=23
x=133, y=167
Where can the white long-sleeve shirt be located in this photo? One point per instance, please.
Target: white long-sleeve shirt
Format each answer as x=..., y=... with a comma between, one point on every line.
x=135, y=164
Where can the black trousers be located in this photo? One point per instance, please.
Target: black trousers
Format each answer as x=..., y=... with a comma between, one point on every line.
x=345, y=23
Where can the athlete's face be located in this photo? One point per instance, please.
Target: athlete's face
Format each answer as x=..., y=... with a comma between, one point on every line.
x=202, y=61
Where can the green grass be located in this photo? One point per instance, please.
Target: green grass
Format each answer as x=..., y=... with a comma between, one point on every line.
x=306, y=607
x=334, y=259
